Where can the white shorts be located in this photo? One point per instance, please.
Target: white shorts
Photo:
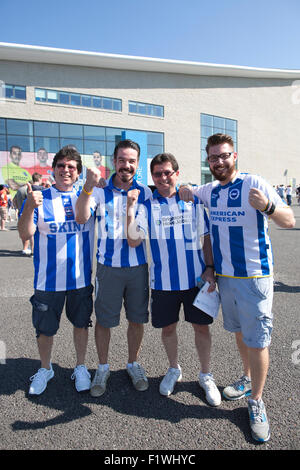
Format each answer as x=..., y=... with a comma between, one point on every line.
x=247, y=307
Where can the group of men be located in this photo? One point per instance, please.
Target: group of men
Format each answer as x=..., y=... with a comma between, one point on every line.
x=232, y=247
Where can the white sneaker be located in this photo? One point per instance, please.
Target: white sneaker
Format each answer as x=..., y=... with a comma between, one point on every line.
x=26, y=252
x=138, y=377
x=82, y=378
x=40, y=380
x=213, y=396
x=167, y=384
x=98, y=385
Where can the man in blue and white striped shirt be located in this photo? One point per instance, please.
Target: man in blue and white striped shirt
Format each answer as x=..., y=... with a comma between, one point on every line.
x=122, y=271
x=63, y=251
x=239, y=205
x=176, y=230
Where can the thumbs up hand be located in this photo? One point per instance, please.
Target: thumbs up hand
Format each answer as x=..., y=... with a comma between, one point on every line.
x=34, y=198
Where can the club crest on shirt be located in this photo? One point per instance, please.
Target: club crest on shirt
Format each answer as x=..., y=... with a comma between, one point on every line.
x=234, y=194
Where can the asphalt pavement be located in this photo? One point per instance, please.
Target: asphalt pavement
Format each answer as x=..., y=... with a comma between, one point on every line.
x=124, y=419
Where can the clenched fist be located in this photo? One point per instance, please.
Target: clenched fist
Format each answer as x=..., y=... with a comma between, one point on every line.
x=34, y=198
x=132, y=197
x=257, y=199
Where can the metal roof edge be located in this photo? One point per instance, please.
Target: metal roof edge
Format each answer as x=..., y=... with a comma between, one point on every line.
x=50, y=55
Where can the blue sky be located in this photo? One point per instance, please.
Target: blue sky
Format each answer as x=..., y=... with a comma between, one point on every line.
x=255, y=33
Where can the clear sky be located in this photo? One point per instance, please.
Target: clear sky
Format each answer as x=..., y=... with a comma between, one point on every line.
x=255, y=33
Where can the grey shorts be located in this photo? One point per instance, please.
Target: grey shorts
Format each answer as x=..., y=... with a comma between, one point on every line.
x=247, y=307
x=113, y=285
x=47, y=308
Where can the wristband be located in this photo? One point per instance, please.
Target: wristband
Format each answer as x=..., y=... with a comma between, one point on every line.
x=266, y=208
x=209, y=266
x=85, y=191
x=270, y=209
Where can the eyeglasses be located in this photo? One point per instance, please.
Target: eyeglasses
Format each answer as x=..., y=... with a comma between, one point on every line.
x=62, y=166
x=222, y=156
x=167, y=173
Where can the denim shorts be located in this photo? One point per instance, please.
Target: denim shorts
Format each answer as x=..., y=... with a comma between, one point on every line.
x=47, y=308
x=247, y=308
x=116, y=285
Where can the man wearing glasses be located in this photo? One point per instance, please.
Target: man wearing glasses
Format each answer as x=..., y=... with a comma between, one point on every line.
x=63, y=252
x=175, y=230
x=239, y=206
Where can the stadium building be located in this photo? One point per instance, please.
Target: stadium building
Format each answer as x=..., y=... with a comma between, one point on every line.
x=53, y=97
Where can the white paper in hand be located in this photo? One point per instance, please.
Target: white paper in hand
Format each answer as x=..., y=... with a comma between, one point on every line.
x=208, y=302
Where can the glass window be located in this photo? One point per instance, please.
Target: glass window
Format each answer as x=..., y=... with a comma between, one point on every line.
x=107, y=103
x=91, y=146
x=211, y=125
x=203, y=157
x=40, y=95
x=110, y=146
x=206, y=120
x=51, y=144
x=86, y=100
x=155, y=138
x=153, y=150
x=20, y=92
x=141, y=108
x=230, y=125
x=114, y=134
x=97, y=102
x=49, y=129
x=2, y=126
x=15, y=91
x=18, y=126
x=94, y=132
x=26, y=143
x=71, y=130
x=64, y=98
x=219, y=123
x=75, y=142
x=75, y=99
x=52, y=96
x=2, y=142
x=206, y=131
x=132, y=107
x=159, y=111
x=146, y=109
x=117, y=105
x=9, y=91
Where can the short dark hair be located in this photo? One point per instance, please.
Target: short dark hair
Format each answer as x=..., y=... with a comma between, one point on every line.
x=217, y=139
x=69, y=152
x=162, y=158
x=36, y=177
x=125, y=144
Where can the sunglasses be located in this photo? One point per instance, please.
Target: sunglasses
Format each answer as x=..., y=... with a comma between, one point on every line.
x=62, y=166
x=167, y=173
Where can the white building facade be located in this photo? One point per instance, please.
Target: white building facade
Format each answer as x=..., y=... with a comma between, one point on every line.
x=53, y=97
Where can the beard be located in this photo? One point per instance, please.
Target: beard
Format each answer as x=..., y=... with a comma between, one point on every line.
x=223, y=173
x=125, y=175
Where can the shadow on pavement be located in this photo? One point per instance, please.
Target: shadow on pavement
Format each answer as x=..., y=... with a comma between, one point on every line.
x=119, y=396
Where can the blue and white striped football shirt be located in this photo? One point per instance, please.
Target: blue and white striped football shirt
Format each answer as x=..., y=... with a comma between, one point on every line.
x=175, y=229
x=110, y=206
x=239, y=233
x=63, y=249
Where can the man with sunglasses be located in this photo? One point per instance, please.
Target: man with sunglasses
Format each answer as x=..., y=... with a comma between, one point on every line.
x=63, y=252
x=239, y=205
x=176, y=230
